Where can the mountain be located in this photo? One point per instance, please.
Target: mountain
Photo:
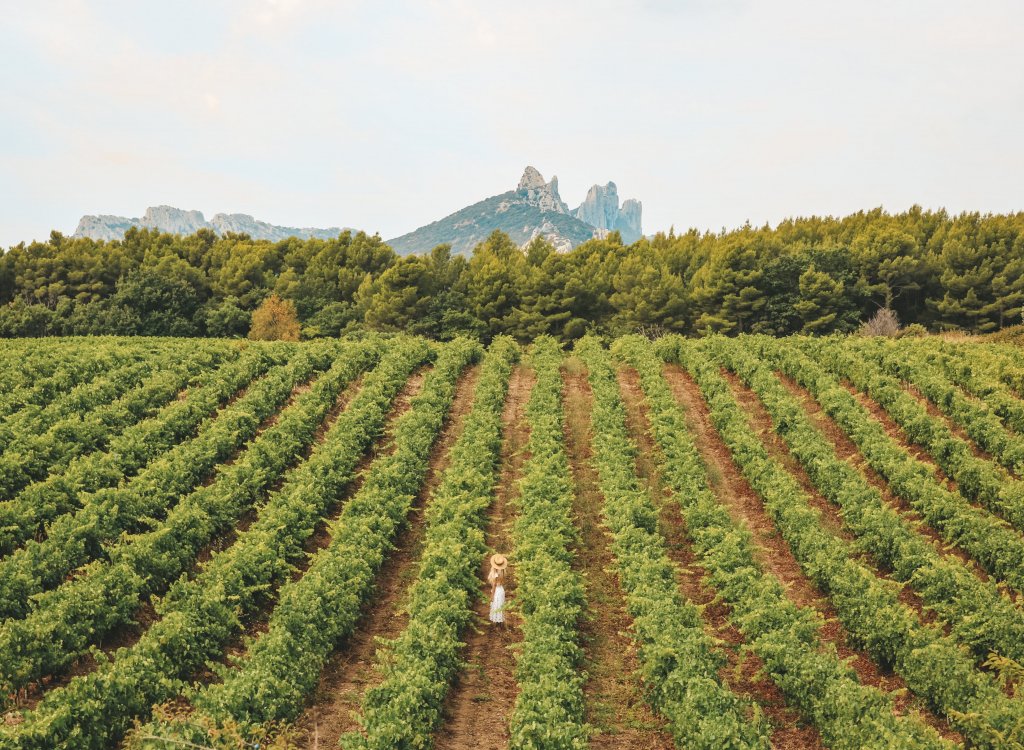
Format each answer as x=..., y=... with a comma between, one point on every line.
x=178, y=221
x=533, y=209
x=601, y=209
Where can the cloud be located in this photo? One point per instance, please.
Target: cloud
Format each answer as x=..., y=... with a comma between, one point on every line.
x=390, y=115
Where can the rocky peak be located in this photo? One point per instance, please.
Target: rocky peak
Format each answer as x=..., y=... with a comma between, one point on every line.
x=629, y=225
x=179, y=221
x=601, y=210
x=531, y=180
x=173, y=220
x=543, y=195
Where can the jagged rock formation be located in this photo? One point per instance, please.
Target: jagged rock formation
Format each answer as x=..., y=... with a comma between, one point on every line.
x=601, y=209
x=533, y=209
x=178, y=221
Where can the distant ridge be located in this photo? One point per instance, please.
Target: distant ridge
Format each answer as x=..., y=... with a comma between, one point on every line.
x=533, y=209
x=178, y=221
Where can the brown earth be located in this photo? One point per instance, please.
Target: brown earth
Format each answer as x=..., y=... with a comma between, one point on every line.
x=848, y=451
x=349, y=672
x=480, y=702
x=761, y=423
x=615, y=705
x=897, y=433
x=743, y=670
x=127, y=635
x=772, y=551
x=382, y=446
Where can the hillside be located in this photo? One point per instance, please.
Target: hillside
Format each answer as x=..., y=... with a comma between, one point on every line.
x=177, y=221
x=533, y=209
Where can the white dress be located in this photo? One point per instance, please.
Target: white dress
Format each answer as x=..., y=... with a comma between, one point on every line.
x=498, y=604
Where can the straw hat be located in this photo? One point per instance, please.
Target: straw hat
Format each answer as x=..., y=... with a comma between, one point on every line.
x=499, y=562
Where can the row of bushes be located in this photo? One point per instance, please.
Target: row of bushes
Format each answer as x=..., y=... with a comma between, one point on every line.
x=679, y=661
x=848, y=714
x=200, y=614
x=934, y=665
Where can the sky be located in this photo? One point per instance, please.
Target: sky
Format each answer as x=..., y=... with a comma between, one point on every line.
x=385, y=116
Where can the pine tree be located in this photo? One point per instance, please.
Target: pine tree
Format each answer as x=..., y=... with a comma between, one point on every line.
x=821, y=298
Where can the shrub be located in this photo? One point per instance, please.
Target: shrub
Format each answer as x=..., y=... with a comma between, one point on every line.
x=882, y=323
x=275, y=320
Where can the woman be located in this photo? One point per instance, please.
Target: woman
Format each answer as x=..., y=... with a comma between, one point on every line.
x=497, y=580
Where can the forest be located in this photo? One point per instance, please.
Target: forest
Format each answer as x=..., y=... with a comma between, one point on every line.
x=807, y=275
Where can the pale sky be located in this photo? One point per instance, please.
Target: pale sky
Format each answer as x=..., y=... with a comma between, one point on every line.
x=388, y=115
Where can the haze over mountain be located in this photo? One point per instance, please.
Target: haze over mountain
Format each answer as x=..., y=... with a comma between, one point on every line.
x=533, y=209
x=179, y=221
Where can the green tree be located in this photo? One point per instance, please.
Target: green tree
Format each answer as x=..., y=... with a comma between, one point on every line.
x=493, y=280
x=162, y=298
x=726, y=290
x=647, y=296
x=227, y=319
x=821, y=301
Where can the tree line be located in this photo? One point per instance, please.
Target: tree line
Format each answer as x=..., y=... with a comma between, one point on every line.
x=813, y=275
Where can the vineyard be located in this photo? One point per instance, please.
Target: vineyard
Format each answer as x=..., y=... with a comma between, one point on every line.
x=720, y=543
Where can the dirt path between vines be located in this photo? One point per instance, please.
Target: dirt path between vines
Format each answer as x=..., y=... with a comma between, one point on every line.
x=615, y=704
x=127, y=635
x=899, y=436
x=745, y=505
x=741, y=673
x=832, y=520
x=480, y=702
x=897, y=433
x=381, y=447
x=349, y=673
x=848, y=451
x=761, y=423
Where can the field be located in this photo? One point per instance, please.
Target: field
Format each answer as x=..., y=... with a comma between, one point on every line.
x=718, y=543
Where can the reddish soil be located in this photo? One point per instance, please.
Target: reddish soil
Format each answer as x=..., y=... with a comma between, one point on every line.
x=957, y=430
x=382, y=446
x=297, y=390
x=899, y=435
x=126, y=636
x=613, y=692
x=480, y=702
x=848, y=451
x=344, y=398
x=761, y=423
x=772, y=551
x=742, y=673
x=349, y=673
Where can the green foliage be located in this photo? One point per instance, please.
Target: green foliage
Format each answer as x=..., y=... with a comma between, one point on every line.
x=200, y=613
x=821, y=300
x=680, y=662
x=318, y=610
x=934, y=665
x=25, y=515
x=103, y=594
x=978, y=612
x=813, y=275
x=549, y=707
x=402, y=711
x=783, y=634
x=227, y=319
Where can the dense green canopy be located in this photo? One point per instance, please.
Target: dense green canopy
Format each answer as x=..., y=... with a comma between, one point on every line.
x=813, y=275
